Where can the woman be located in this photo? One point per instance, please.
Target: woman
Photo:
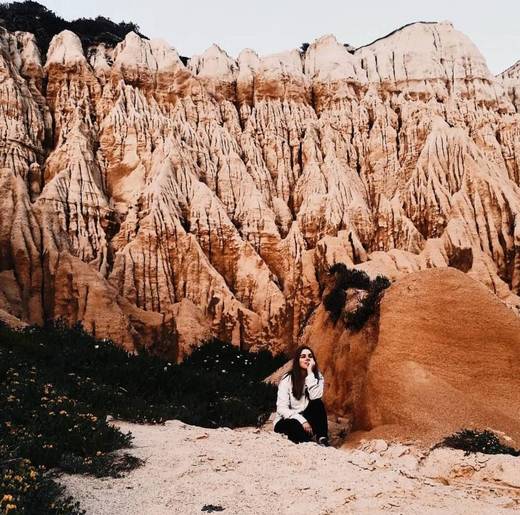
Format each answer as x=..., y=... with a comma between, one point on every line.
x=300, y=413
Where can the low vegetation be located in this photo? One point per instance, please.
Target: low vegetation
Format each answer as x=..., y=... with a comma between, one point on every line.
x=346, y=279
x=25, y=488
x=59, y=384
x=304, y=47
x=471, y=440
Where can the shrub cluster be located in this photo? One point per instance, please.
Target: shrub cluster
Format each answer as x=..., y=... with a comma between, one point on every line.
x=28, y=489
x=33, y=17
x=471, y=440
x=345, y=279
x=58, y=384
x=50, y=428
x=304, y=47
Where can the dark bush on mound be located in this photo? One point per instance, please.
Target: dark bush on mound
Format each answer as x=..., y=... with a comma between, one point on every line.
x=335, y=302
x=44, y=24
x=356, y=319
x=336, y=299
x=58, y=384
x=470, y=440
x=350, y=277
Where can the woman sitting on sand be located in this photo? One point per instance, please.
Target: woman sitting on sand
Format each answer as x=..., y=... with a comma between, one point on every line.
x=300, y=413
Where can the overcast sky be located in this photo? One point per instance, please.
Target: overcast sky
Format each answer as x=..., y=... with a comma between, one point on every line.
x=274, y=25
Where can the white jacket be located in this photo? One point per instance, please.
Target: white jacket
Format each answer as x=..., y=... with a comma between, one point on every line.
x=288, y=406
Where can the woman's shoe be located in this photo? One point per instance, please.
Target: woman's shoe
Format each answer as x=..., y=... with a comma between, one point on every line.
x=323, y=441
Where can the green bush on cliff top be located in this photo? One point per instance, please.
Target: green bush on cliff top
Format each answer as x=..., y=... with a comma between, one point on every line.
x=33, y=17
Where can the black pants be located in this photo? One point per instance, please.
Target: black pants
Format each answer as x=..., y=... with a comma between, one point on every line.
x=315, y=415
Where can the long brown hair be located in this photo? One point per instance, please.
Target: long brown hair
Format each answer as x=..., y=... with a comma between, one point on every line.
x=298, y=379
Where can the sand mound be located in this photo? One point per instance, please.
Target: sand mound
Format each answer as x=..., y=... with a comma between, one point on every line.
x=447, y=357
x=444, y=355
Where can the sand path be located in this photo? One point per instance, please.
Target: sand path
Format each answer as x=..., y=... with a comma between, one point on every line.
x=189, y=469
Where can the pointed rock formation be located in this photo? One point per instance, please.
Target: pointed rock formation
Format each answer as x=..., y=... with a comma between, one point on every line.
x=220, y=192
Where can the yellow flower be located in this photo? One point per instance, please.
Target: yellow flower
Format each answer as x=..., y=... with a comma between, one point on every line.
x=33, y=474
x=7, y=498
x=10, y=507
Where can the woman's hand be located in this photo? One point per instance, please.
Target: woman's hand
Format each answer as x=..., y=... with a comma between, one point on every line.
x=307, y=427
x=310, y=366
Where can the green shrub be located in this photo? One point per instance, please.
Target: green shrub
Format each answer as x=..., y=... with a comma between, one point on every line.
x=27, y=489
x=350, y=277
x=99, y=465
x=471, y=440
x=334, y=303
x=33, y=17
x=44, y=424
x=58, y=384
x=356, y=319
x=336, y=299
x=105, y=380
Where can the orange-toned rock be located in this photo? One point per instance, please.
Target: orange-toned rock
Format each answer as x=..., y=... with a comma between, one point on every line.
x=232, y=185
x=443, y=355
x=344, y=358
x=447, y=357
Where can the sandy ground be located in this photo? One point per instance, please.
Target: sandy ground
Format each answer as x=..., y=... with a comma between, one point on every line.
x=191, y=470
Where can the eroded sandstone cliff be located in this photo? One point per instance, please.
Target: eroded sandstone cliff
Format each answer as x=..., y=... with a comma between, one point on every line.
x=155, y=202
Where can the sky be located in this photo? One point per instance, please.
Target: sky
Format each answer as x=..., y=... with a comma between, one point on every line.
x=270, y=26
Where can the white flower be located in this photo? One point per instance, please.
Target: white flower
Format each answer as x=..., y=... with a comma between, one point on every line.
x=223, y=370
x=96, y=346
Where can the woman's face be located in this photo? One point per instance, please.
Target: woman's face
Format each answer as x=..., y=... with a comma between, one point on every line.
x=305, y=358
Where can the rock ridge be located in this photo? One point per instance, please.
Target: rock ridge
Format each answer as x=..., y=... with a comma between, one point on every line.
x=142, y=196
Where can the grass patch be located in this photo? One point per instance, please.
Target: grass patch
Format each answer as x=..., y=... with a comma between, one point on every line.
x=58, y=384
x=470, y=441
